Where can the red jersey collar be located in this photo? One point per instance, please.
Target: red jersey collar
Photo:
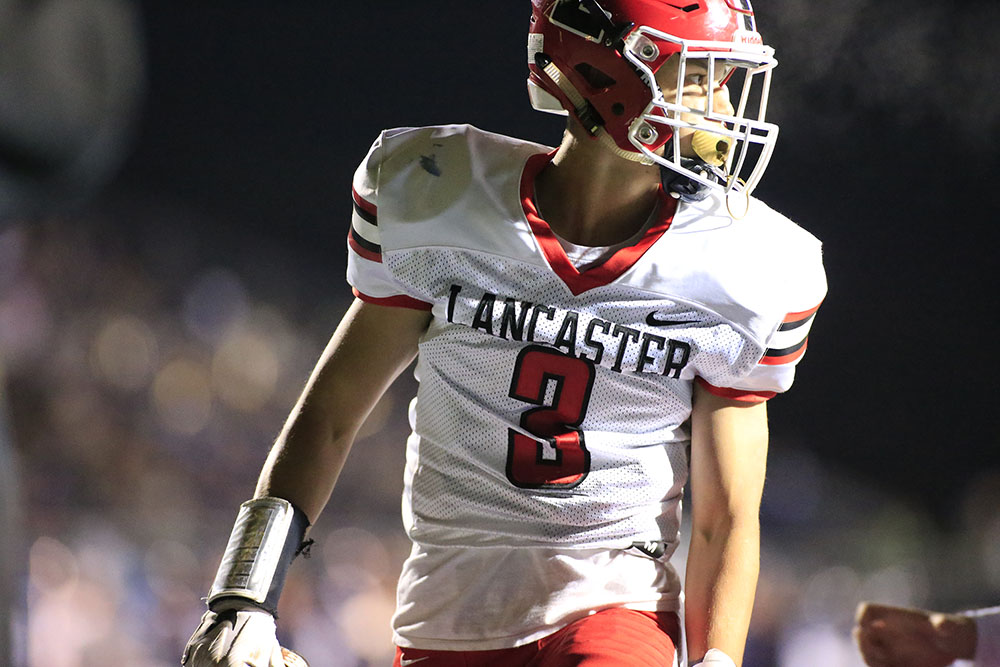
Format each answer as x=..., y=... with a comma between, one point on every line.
x=609, y=270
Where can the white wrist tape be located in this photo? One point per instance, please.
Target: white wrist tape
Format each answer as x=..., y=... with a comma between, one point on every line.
x=266, y=538
x=715, y=658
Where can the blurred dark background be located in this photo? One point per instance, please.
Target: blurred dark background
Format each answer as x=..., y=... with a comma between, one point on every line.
x=174, y=193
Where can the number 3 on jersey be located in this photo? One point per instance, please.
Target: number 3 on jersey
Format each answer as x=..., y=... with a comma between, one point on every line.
x=556, y=458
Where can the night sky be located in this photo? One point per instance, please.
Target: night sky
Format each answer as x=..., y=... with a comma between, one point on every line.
x=257, y=113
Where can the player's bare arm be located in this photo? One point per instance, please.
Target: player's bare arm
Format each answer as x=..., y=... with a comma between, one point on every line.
x=370, y=348
x=728, y=460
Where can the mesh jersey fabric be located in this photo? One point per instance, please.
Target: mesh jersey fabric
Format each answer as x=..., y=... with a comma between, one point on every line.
x=477, y=599
x=509, y=333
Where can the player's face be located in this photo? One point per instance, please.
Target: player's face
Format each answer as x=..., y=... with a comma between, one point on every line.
x=697, y=86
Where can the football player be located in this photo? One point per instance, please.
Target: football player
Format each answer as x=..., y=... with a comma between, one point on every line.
x=890, y=636
x=596, y=326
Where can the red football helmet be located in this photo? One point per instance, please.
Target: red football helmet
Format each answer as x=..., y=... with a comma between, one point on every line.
x=597, y=59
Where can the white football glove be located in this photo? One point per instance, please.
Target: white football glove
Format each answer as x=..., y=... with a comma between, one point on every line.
x=715, y=658
x=234, y=638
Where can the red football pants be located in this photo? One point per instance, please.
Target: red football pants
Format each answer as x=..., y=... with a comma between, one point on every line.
x=614, y=637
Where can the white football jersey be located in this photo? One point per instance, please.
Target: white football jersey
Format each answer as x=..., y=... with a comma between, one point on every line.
x=553, y=403
x=552, y=412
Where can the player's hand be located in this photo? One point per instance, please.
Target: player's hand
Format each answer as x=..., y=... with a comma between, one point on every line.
x=899, y=637
x=234, y=638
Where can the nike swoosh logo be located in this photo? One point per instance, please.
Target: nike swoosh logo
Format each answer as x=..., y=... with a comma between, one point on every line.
x=406, y=662
x=687, y=8
x=653, y=321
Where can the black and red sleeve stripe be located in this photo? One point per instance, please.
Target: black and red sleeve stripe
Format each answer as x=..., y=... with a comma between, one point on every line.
x=364, y=236
x=790, y=341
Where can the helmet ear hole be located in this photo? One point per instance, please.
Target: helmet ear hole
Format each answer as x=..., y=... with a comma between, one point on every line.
x=594, y=77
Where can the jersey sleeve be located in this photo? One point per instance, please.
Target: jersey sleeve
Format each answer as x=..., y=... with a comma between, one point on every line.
x=784, y=348
x=369, y=277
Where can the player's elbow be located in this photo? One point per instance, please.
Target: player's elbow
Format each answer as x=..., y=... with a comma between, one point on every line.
x=716, y=525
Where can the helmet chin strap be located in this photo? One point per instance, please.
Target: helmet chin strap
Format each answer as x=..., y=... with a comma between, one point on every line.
x=676, y=184
x=685, y=188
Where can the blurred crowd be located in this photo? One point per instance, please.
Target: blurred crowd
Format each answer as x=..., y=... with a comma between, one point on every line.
x=145, y=382
x=142, y=407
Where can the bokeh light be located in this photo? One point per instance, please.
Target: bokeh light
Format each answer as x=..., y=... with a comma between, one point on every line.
x=244, y=370
x=182, y=396
x=124, y=352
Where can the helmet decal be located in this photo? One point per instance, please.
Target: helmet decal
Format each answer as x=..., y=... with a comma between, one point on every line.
x=585, y=18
